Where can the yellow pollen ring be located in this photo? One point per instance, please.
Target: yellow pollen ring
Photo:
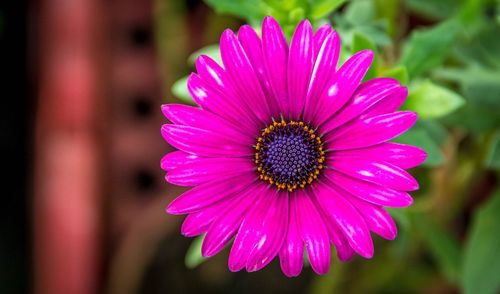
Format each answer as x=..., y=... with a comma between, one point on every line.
x=312, y=176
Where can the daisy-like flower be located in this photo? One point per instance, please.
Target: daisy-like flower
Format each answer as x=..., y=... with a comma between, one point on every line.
x=286, y=151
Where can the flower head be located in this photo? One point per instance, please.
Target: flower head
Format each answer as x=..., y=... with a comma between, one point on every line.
x=286, y=151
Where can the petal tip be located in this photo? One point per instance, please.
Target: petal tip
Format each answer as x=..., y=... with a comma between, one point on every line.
x=304, y=22
x=269, y=20
x=235, y=265
x=322, y=270
x=171, y=209
x=368, y=254
x=366, y=53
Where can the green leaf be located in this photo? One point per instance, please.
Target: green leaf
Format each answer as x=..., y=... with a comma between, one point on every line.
x=389, y=11
x=435, y=130
x=430, y=100
x=427, y=49
x=212, y=51
x=361, y=42
x=193, y=255
x=442, y=245
x=481, y=264
x=398, y=72
x=480, y=79
x=436, y=9
x=475, y=118
x=360, y=12
x=322, y=8
x=283, y=5
x=296, y=15
x=359, y=16
x=180, y=90
x=493, y=158
x=420, y=138
x=252, y=10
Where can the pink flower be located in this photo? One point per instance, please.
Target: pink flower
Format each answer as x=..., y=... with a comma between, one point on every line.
x=286, y=151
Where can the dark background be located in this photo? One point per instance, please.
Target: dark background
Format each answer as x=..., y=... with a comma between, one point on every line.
x=17, y=104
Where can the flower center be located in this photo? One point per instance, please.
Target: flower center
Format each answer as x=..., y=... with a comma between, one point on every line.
x=289, y=155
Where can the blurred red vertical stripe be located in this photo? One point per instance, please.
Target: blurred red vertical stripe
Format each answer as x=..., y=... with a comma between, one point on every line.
x=66, y=211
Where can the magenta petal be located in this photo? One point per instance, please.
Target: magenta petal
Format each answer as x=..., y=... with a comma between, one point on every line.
x=404, y=156
x=206, y=194
x=344, y=250
x=244, y=78
x=204, y=142
x=209, y=169
x=212, y=73
x=250, y=231
x=371, y=131
x=324, y=68
x=195, y=117
x=253, y=48
x=211, y=99
x=175, y=159
x=292, y=251
x=388, y=104
x=198, y=222
x=380, y=173
x=367, y=95
x=378, y=220
x=213, y=91
x=370, y=192
x=349, y=221
x=273, y=232
x=227, y=223
x=313, y=232
x=275, y=50
x=300, y=65
x=340, y=88
x=319, y=38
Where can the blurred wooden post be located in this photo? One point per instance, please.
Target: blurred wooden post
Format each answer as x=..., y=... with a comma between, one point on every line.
x=66, y=205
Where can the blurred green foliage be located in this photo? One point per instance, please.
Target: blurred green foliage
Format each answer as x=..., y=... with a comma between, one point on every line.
x=448, y=54
x=481, y=263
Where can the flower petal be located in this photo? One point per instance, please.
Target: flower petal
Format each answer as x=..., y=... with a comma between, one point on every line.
x=198, y=222
x=211, y=99
x=273, y=232
x=206, y=194
x=227, y=222
x=202, y=119
x=319, y=38
x=367, y=95
x=371, y=131
x=380, y=173
x=253, y=48
x=275, y=50
x=349, y=221
x=292, y=251
x=377, y=219
x=300, y=65
x=388, y=104
x=370, y=192
x=243, y=76
x=208, y=169
x=204, y=142
x=337, y=238
x=177, y=158
x=340, y=88
x=250, y=230
x=313, y=231
x=324, y=68
x=404, y=156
